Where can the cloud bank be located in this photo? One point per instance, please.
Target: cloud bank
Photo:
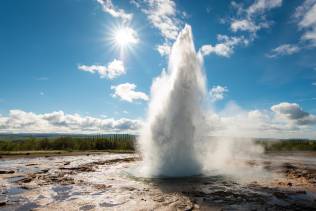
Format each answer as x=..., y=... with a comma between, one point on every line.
x=19, y=121
x=282, y=120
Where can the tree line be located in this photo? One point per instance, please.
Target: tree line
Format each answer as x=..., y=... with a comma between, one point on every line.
x=289, y=145
x=95, y=142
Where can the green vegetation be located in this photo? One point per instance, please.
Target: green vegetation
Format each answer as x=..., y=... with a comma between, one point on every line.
x=115, y=142
x=288, y=145
x=69, y=143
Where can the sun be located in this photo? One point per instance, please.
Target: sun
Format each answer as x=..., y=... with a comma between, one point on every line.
x=125, y=36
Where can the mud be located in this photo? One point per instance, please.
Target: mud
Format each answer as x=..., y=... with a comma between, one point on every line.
x=103, y=182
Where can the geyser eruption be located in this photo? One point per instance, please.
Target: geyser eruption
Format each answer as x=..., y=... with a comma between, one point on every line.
x=170, y=138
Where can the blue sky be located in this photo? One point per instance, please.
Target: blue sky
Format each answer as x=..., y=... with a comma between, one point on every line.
x=257, y=54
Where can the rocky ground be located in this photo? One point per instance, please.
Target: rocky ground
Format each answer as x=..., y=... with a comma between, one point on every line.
x=102, y=182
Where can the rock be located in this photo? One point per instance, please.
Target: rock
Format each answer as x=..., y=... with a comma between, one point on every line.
x=25, y=187
x=128, y=188
x=289, y=184
x=26, y=180
x=3, y=203
x=280, y=195
x=7, y=172
x=31, y=164
x=87, y=207
x=301, y=192
x=43, y=171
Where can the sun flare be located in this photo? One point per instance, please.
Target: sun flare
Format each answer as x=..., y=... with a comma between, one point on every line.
x=125, y=36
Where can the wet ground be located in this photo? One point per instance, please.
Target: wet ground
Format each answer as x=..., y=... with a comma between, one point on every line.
x=102, y=182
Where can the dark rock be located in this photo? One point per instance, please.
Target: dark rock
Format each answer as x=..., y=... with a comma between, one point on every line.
x=26, y=180
x=280, y=195
x=43, y=171
x=31, y=164
x=301, y=192
x=6, y=172
x=87, y=207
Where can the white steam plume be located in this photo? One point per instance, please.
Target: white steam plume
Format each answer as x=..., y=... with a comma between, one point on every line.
x=175, y=114
x=175, y=139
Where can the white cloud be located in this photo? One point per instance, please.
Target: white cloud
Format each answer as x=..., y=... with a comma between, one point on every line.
x=253, y=18
x=301, y=10
x=306, y=16
x=219, y=49
x=217, y=93
x=250, y=19
x=294, y=113
x=243, y=25
x=285, y=49
x=109, y=8
x=113, y=70
x=260, y=6
x=164, y=49
x=127, y=92
x=20, y=121
x=163, y=15
x=225, y=47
